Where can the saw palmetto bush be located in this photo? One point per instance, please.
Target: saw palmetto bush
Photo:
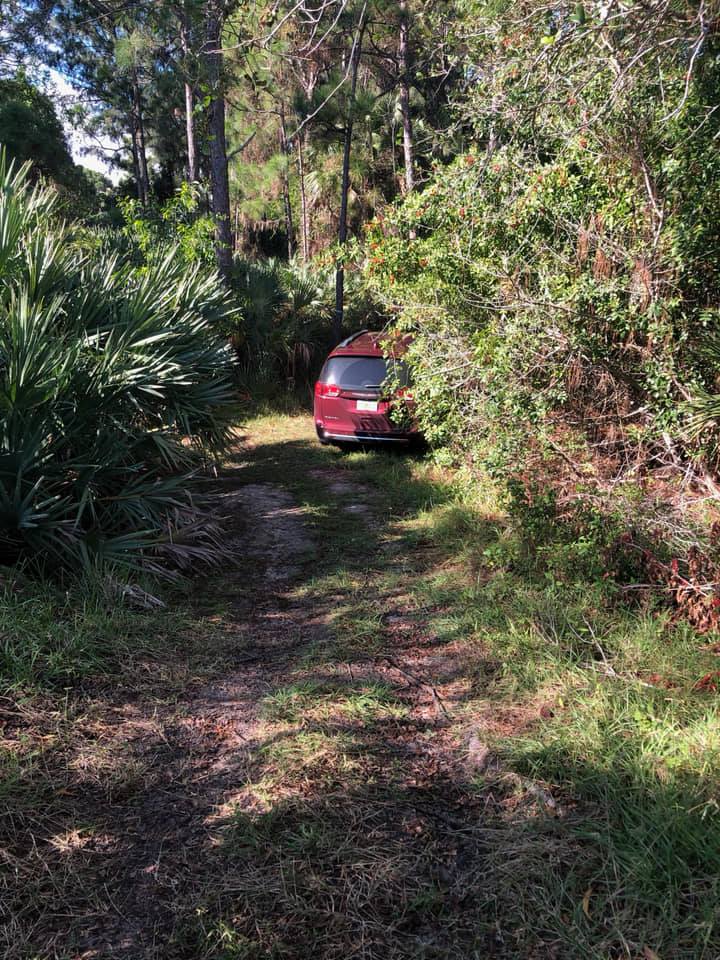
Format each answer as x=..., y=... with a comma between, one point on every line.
x=115, y=387
x=286, y=311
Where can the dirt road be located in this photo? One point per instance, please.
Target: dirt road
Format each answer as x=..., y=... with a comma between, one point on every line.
x=293, y=779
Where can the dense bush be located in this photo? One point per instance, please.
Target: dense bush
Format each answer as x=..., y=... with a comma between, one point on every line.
x=286, y=321
x=180, y=222
x=562, y=277
x=114, y=388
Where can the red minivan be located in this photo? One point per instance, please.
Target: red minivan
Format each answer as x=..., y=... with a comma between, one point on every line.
x=359, y=387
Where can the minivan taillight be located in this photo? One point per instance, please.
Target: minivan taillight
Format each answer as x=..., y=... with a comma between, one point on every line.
x=326, y=389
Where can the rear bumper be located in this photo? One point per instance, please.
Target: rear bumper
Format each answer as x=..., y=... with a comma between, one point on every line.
x=365, y=436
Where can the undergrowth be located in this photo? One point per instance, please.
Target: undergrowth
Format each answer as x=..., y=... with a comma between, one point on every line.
x=53, y=638
x=613, y=714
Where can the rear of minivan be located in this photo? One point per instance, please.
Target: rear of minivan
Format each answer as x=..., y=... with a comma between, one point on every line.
x=358, y=390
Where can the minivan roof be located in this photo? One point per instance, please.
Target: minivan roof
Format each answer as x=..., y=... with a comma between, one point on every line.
x=369, y=343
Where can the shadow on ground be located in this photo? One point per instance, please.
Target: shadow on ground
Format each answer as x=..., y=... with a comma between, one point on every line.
x=318, y=785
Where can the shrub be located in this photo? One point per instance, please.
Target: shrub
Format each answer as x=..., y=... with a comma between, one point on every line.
x=562, y=280
x=179, y=222
x=114, y=387
x=287, y=311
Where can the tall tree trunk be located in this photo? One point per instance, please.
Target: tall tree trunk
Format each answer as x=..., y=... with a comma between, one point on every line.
x=305, y=239
x=289, y=226
x=342, y=223
x=219, y=182
x=192, y=161
x=309, y=83
x=404, y=58
x=136, y=163
x=139, y=142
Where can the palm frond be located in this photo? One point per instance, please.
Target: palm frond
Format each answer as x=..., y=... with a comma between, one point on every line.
x=115, y=386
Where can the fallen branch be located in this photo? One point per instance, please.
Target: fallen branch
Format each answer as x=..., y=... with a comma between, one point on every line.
x=417, y=682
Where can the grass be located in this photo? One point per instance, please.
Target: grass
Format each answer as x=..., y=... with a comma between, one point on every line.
x=595, y=701
x=469, y=749
x=53, y=638
x=615, y=727
x=314, y=701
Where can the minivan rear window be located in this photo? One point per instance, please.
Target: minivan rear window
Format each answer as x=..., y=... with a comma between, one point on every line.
x=362, y=373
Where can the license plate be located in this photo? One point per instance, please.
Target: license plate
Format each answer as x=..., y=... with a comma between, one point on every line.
x=367, y=405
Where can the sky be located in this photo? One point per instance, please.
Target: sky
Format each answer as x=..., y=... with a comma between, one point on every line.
x=60, y=89
x=58, y=86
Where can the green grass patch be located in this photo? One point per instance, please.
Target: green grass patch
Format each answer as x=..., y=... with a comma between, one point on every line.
x=52, y=638
x=610, y=721
x=313, y=700
x=322, y=756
